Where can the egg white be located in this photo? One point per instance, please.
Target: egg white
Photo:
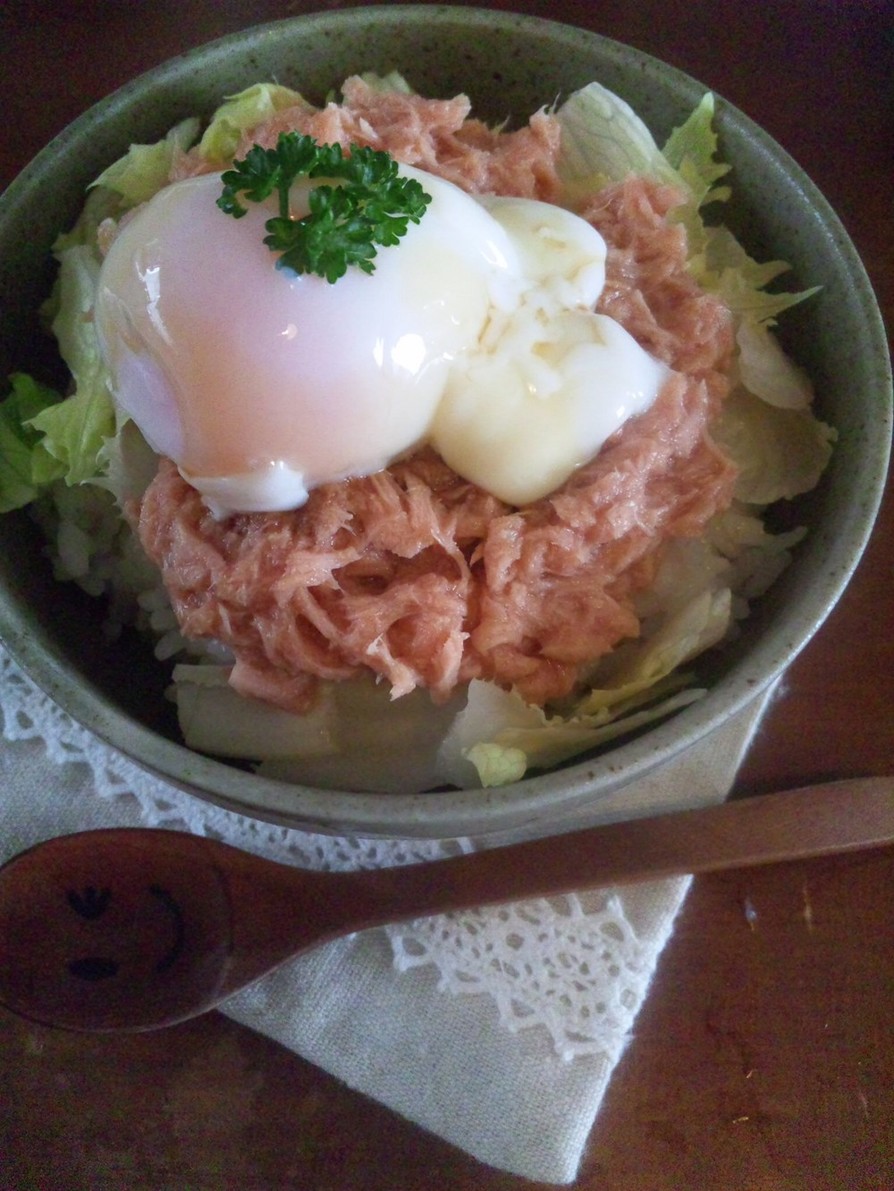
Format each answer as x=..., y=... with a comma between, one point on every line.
x=476, y=333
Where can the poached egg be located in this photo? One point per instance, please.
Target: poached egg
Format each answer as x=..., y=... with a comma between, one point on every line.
x=476, y=333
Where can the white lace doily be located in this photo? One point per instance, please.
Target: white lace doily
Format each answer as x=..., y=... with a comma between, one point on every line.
x=573, y=966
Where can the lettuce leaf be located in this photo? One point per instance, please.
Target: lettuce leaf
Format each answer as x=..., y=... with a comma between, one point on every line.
x=99, y=205
x=383, y=83
x=604, y=141
x=780, y=452
x=73, y=432
x=45, y=437
x=766, y=371
x=74, y=429
x=145, y=169
x=755, y=557
x=215, y=719
x=684, y=634
x=393, y=749
x=746, y=300
x=127, y=464
x=724, y=255
x=691, y=150
x=240, y=112
x=498, y=764
x=497, y=738
x=25, y=465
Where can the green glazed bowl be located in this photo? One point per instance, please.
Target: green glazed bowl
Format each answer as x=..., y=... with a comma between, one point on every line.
x=508, y=65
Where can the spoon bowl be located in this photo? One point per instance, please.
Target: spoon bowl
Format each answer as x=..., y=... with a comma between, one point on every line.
x=120, y=918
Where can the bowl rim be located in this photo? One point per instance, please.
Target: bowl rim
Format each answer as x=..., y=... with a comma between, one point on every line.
x=470, y=812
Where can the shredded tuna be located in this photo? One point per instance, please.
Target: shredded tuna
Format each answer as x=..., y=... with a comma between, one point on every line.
x=419, y=576
x=436, y=135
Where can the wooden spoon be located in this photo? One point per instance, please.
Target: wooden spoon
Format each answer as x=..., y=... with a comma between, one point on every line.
x=133, y=929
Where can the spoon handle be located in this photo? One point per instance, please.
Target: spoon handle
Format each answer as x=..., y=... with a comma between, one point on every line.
x=810, y=821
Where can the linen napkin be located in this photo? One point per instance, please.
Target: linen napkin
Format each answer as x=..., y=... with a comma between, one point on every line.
x=497, y=1030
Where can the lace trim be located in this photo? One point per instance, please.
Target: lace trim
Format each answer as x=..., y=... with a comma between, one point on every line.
x=579, y=972
x=573, y=967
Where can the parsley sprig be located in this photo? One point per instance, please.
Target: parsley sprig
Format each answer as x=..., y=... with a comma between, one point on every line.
x=372, y=206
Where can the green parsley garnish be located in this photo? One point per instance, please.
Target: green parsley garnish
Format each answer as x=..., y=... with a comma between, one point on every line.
x=373, y=206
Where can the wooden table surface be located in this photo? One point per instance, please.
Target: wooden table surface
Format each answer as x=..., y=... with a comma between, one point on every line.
x=763, y=1059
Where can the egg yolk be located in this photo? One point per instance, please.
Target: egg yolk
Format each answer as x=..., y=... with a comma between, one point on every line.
x=475, y=333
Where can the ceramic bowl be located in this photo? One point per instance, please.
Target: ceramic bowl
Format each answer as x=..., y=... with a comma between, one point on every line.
x=507, y=64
